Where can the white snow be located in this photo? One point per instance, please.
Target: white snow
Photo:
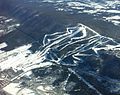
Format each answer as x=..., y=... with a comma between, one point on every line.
x=14, y=58
x=60, y=9
x=77, y=4
x=78, y=8
x=3, y=45
x=113, y=11
x=8, y=20
x=116, y=22
x=116, y=17
x=50, y=1
x=1, y=31
x=12, y=88
x=97, y=5
x=26, y=91
x=90, y=11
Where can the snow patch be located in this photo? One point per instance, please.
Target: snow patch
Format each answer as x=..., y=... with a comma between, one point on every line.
x=3, y=45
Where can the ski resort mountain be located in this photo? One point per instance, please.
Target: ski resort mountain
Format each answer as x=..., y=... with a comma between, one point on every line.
x=59, y=47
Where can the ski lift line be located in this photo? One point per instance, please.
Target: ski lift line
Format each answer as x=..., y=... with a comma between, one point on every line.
x=33, y=38
x=87, y=83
